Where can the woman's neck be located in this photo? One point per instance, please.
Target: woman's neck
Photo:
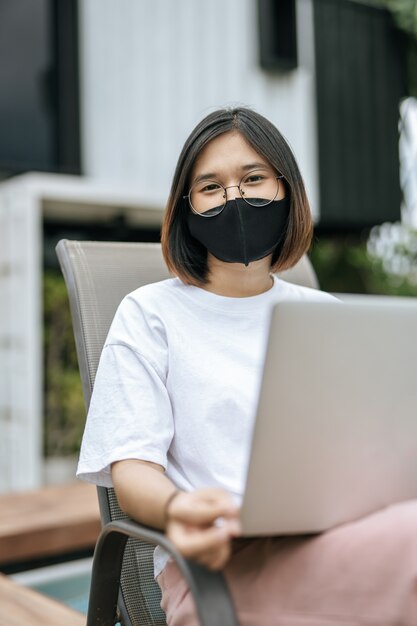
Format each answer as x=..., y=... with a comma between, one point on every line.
x=237, y=281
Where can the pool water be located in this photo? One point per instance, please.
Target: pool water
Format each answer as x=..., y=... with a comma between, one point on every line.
x=67, y=582
x=72, y=592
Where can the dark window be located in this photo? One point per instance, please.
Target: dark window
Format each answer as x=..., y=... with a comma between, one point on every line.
x=39, y=107
x=360, y=82
x=277, y=34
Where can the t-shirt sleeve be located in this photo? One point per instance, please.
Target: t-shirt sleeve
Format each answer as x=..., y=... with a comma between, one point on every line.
x=130, y=414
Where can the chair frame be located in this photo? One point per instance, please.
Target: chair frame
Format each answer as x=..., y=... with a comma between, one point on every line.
x=213, y=602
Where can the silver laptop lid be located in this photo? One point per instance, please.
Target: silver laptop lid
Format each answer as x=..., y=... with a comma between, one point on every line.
x=336, y=430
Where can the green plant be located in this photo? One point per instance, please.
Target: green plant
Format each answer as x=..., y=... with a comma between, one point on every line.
x=404, y=13
x=343, y=264
x=63, y=401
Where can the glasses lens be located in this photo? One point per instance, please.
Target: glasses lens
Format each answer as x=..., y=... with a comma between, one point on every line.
x=259, y=187
x=207, y=198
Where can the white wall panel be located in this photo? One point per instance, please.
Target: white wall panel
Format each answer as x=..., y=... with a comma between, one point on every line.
x=20, y=350
x=152, y=69
x=5, y=338
x=24, y=203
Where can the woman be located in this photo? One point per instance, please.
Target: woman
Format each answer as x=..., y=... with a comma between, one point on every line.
x=172, y=411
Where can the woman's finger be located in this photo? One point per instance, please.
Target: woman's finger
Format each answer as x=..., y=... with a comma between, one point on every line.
x=194, y=542
x=216, y=559
x=199, y=510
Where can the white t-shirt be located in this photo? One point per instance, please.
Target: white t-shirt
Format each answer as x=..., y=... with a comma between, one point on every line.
x=178, y=384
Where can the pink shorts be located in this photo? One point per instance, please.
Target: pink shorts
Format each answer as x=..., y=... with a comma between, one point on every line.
x=359, y=574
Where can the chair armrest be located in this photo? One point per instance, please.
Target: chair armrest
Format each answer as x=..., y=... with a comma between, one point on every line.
x=209, y=590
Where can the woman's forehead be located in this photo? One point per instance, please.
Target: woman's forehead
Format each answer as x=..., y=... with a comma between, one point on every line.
x=227, y=152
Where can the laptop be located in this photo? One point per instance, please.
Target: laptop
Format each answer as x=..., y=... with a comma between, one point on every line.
x=335, y=437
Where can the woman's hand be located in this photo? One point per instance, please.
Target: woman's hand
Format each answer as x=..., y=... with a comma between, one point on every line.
x=201, y=524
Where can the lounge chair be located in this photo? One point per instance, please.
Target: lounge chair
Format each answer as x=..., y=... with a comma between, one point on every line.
x=98, y=276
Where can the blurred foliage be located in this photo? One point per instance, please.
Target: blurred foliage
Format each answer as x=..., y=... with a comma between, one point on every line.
x=404, y=13
x=344, y=265
x=63, y=400
x=395, y=244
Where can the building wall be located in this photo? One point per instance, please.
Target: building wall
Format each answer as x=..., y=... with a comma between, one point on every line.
x=150, y=70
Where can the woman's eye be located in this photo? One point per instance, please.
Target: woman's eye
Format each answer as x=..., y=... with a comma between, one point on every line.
x=210, y=187
x=254, y=178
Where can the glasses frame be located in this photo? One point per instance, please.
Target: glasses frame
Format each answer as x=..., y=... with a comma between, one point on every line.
x=188, y=196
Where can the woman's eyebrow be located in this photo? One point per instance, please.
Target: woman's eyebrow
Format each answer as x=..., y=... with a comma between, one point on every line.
x=201, y=177
x=254, y=166
x=244, y=168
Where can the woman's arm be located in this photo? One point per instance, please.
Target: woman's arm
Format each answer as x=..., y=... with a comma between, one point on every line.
x=142, y=490
x=145, y=494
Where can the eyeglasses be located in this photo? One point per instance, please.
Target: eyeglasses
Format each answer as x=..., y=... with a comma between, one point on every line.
x=258, y=188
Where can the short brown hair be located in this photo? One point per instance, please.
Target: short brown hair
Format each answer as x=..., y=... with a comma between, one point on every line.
x=184, y=255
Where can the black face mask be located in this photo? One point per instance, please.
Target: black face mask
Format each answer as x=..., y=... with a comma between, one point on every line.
x=242, y=233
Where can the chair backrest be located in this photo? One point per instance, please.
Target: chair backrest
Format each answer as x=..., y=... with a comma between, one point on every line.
x=98, y=276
